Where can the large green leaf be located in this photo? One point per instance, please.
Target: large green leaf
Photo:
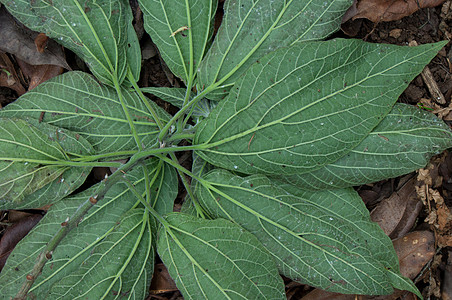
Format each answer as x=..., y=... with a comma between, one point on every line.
x=308, y=105
x=324, y=239
x=94, y=30
x=216, y=259
x=29, y=155
x=82, y=246
x=120, y=264
x=37, y=187
x=77, y=102
x=403, y=142
x=251, y=29
x=181, y=30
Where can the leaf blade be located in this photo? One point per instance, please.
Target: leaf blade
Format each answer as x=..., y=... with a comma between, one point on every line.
x=181, y=30
x=75, y=248
x=255, y=28
x=93, y=31
x=313, y=242
x=209, y=246
x=281, y=118
x=25, y=146
x=403, y=142
x=77, y=102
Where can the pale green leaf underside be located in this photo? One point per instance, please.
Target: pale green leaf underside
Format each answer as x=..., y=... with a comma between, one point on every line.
x=93, y=30
x=34, y=184
x=77, y=246
x=120, y=264
x=164, y=189
x=308, y=105
x=220, y=260
x=251, y=29
x=77, y=102
x=324, y=239
x=403, y=142
x=133, y=47
x=23, y=148
x=164, y=17
x=175, y=96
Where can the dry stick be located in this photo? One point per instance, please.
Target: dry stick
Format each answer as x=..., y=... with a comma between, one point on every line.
x=71, y=223
x=430, y=82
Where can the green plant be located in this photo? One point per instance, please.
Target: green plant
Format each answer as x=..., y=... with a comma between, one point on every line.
x=292, y=122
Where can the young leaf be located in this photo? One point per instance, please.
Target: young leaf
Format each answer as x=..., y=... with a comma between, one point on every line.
x=77, y=102
x=181, y=30
x=77, y=247
x=70, y=179
x=93, y=30
x=404, y=141
x=120, y=264
x=27, y=158
x=251, y=29
x=216, y=259
x=175, y=96
x=164, y=189
x=308, y=105
x=324, y=239
x=133, y=47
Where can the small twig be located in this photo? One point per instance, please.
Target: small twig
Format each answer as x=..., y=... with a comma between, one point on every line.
x=430, y=82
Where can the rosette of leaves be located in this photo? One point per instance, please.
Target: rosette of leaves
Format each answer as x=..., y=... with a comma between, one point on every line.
x=284, y=124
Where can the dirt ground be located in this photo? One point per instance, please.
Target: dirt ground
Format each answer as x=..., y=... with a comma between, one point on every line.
x=414, y=209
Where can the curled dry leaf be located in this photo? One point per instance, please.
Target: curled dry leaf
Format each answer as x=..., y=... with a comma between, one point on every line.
x=387, y=10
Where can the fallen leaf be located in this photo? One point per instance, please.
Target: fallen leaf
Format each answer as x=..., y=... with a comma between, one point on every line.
x=446, y=293
x=388, y=10
x=162, y=281
x=8, y=75
x=14, y=234
x=397, y=214
x=38, y=74
x=41, y=42
x=318, y=294
x=20, y=41
x=414, y=250
x=395, y=33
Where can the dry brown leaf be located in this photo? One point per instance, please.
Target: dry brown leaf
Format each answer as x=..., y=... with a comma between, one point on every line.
x=390, y=10
x=20, y=41
x=14, y=234
x=318, y=294
x=161, y=281
x=8, y=75
x=446, y=293
x=41, y=42
x=38, y=74
x=414, y=250
x=397, y=214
